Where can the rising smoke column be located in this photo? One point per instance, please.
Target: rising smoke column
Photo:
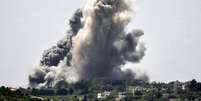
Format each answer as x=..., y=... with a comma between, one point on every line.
x=97, y=46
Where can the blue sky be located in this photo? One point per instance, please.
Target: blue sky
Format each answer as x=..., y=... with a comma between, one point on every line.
x=172, y=36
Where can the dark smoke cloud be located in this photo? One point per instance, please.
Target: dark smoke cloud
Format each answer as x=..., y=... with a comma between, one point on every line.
x=54, y=55
x=37, y=77
x=96, y=46
x=76, y=22
x=132, y=41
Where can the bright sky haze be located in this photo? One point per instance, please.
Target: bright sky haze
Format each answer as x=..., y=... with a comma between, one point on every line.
x=172, y=36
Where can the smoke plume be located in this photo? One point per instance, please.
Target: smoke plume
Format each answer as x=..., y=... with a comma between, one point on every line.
x=97, y=46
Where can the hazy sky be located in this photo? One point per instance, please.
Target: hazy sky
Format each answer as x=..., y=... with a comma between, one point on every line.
x=172, y=36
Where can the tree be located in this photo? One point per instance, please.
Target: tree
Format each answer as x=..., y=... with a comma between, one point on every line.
x=199, y=86
x=193, y=85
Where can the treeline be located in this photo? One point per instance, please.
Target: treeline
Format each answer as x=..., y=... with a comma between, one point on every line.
x=7, y=94
x=178, y=91
x=20, y=94
x=194, y=86
x=137, y=90
x=144, y=91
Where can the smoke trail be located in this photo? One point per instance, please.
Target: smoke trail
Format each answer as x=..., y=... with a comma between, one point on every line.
x=97, y=46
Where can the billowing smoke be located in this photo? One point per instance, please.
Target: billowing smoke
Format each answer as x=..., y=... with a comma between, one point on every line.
x=54, y=55
x=96, y=46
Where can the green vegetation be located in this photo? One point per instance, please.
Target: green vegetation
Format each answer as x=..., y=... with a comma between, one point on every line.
x=12, y=94
x=105, y=90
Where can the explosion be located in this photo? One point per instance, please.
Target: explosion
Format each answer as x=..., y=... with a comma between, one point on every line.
x=97, y=46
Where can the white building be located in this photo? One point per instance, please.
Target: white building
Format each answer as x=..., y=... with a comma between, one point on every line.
x=103, y=95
